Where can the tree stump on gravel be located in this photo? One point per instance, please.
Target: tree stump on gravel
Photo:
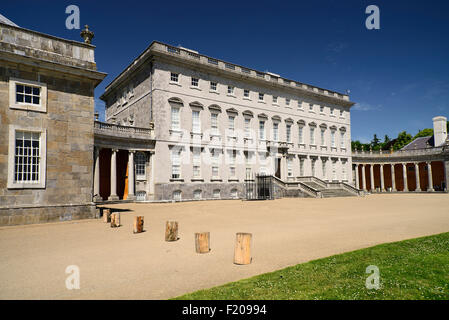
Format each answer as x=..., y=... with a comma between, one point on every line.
x=202, y=242
x=106, y=215
x=138, y=224
x=171, y=231
x=115, y=220
x=242, y=251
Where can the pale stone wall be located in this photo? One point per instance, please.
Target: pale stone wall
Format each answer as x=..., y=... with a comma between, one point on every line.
x=68, y=121
x=152, y=81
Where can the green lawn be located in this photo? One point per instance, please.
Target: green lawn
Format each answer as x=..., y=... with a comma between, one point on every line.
x=410, y=269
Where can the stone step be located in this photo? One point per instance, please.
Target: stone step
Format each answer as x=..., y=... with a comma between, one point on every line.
x=328, y=193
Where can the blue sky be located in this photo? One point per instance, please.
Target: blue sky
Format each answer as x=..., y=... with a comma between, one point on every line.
x=398, y=75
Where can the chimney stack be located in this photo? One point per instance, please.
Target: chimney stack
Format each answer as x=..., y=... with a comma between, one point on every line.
x=439, y=130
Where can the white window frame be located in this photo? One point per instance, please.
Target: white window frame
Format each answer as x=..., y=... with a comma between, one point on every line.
x=231, y=123
x=40, y=184
x=275, y=131
x=174, y=75
x=140, y=166
x=262, y=130
x=246, y=93
x=214, y=123
x=301, y=134
x=213, y=86
x=342, y=140
x=196, y=121
x=247, y=127
x=261, y=96
x=195, y=82
x=289, y=167
x=312, y=135
x=230, y=90
x=196, y=161
x=175, y=125
x=175, y=163
x=288, y=132
x=13, y=104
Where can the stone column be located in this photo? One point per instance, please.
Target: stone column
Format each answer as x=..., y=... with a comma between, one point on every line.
x=113, y=195
x=150, y=179
x=382, y=179
x=404, y=175
x=371, y=176
x=363, y=177
x=97, y=196
x=131, y=195
x=393, y=179
x=357, y=182
x=418, y=187
x=446, y=175
x=284, y=174
x=429, y=174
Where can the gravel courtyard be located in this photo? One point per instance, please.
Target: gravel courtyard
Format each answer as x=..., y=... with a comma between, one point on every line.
x=114, y=263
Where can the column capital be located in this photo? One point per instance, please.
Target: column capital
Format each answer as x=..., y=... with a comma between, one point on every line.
x=114, y=150
x=132, y=151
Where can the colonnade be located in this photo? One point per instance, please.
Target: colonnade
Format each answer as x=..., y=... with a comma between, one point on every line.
x=113, y=176
x=364, y=170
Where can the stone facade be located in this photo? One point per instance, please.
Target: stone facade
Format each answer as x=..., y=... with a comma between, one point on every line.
x=65, y=71
x=144, y=94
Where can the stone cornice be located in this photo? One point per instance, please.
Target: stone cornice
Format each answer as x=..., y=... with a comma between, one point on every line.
x=187, y=57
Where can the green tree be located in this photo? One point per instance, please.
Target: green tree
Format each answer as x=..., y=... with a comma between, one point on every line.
x=402, y=140
x=386, y=139
x=424, y=133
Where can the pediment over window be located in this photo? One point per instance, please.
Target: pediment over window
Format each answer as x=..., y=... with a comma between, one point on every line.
x=231, y=110
x=215, y=107
x=248, y=113
x=301, y=122
x=333, y=127
x=176, y=100
x=312, y=124
x=323, y=125
x=343, y=129
x=289, y=120
x=262, y=115
x=276, y=118
x=196, y=104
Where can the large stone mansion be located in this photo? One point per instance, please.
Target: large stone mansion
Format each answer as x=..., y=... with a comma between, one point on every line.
x=179, y=126
x=216, y=123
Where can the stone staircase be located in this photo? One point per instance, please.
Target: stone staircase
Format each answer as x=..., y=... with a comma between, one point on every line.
x=313, y=187
x=330, y=189
x=330, y=193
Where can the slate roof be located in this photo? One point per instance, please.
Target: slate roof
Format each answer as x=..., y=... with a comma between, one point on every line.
x=420, y=143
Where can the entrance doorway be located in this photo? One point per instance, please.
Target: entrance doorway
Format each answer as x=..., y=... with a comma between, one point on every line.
x=278, y=168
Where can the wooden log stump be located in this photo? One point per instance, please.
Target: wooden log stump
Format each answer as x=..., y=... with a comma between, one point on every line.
x=242, y=252
x=202, y=241
x=171, y=231
x=138, y=224
x=115, y=220
x=106, y=215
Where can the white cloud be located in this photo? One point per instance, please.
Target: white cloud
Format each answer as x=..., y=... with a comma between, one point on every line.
x=365, y=107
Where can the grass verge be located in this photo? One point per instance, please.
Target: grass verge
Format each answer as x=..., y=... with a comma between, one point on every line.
x=410, y=269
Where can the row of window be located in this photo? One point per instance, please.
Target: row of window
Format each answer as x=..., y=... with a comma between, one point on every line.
x=213, y=86
x=231, y=165
x=198, y=194
x=196, y=128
